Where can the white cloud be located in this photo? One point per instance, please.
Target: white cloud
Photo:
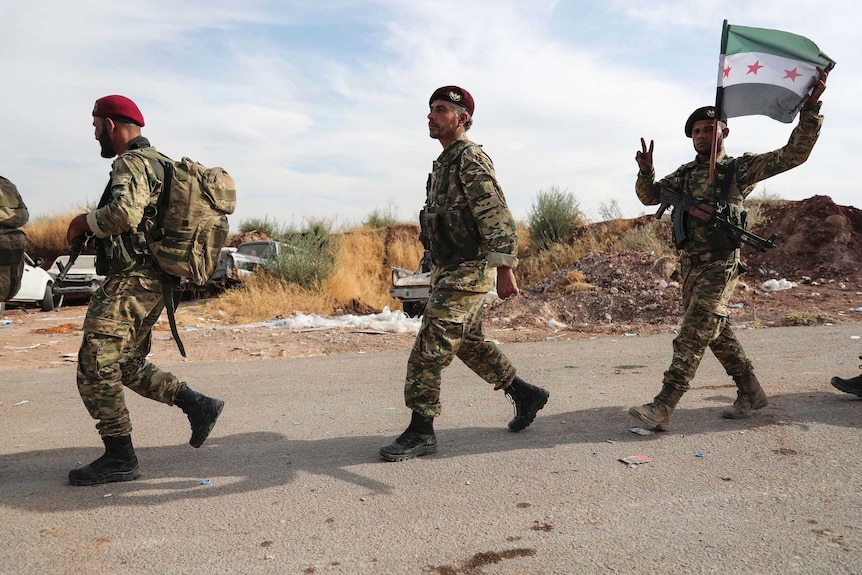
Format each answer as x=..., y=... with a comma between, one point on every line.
x=318, y=110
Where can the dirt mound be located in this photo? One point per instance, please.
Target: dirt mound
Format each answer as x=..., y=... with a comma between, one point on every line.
x=252, y=236
x=816, y=238
x=820, y=249
x=601, y=291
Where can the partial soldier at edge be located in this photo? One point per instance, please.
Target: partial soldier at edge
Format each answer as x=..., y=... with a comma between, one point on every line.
x=13, y=241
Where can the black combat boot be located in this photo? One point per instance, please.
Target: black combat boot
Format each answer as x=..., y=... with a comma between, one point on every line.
x=528, y=400
x=203, y=412
x=119, y=463
x=853, y=385
x=659, y=411
x=417, y=440
x=749, y=397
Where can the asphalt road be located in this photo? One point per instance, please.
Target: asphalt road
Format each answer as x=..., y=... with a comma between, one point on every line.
x=290, y=481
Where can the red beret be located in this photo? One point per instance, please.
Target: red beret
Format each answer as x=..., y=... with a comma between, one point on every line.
x=454, y=94
x=118, y=107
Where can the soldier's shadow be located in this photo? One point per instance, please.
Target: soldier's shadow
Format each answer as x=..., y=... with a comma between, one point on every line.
x=247, y=462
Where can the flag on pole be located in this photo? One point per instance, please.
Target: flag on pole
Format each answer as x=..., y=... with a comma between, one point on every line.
x=766, y=72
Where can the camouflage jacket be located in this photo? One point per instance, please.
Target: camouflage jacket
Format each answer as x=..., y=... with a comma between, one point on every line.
x=466, y=225
x=13, y=212
x=121, y=246
x=691, y=179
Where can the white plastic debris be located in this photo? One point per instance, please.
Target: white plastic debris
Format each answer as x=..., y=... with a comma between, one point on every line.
x=777, y=285
x=22, y=402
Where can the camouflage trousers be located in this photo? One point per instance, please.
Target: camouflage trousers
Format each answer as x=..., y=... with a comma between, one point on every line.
x=451, y=326
x=117, y=338
x=706, y=291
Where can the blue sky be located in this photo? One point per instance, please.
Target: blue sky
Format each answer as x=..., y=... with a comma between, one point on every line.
x=318, y=108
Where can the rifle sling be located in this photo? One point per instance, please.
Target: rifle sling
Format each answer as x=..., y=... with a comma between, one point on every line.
x=168, y=295
x=729, y=173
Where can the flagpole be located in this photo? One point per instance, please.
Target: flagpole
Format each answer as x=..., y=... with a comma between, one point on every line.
x=719, y=102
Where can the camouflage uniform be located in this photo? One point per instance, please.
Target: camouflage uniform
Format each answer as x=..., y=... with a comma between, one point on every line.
x=709, y=263
x=469, y=232
x=13, y=215
x=121, y=315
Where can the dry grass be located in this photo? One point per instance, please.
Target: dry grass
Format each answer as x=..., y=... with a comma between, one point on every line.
x=360, y=283
x=46, y=235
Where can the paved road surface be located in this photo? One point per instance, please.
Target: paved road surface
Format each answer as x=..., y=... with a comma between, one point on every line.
x=295, y=485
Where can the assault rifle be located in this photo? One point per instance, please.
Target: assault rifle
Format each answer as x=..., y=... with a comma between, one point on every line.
x=715, y=217
x=75, y=249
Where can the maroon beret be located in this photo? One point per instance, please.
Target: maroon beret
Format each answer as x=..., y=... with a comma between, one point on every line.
x=118, y=107
x=705, y=113
x=454, y=94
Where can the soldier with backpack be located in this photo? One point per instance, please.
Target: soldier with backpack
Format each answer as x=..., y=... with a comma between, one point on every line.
x=13, y=215
x=119, y=320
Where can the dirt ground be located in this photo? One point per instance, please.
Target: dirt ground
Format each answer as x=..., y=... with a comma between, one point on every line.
x=627, y=294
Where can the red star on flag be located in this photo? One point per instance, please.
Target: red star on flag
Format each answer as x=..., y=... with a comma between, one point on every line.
x=792, y=74
x=727, y=72
x=753, y=68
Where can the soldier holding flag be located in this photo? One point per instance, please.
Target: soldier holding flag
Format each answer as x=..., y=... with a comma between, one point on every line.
x=709, y=259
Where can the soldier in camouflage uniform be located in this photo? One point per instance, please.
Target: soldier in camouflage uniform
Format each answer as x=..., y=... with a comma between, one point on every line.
x=468, y=231
x=709, y=260
x=118, y=324
x=13, y=215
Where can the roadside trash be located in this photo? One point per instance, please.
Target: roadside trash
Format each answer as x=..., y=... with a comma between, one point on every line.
x=108, y=495
x=636, y=460
x=858, y=309
x=855, y=337
x=22, y=402
x=739, y=305
x=205, y=482
x=555, y=323
x=698, y=454
x=641, y=431
x=631, y=334
x=776, y=285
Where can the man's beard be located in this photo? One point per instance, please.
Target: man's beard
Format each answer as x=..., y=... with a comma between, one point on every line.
x=106, y=145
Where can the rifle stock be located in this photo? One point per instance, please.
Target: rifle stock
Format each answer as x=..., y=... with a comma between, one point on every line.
x=713, y=217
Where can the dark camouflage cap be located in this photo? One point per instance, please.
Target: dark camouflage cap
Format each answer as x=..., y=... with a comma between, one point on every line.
x=704, y=113
x=454, y=94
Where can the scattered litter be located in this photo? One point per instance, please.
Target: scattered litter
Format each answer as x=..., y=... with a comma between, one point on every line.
x=698, y=454
x=205, y=482
x=727, y=478
x=22, y=402
x=15, y=348
x=858, y=309
x=636, y=460
x=557, y=324
x=631, y=334
x=108, y=495
x=737, y=305
x=641, y=431
x=777, y=285
x=815, y=294
x=855, y=337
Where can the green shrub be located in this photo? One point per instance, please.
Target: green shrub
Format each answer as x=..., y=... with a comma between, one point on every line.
x=553, y=218
x=265, y=225
x=307, y=258
x=382, y=217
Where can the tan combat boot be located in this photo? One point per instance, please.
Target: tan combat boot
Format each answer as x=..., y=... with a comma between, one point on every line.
x=749, y=396
x=657, y=413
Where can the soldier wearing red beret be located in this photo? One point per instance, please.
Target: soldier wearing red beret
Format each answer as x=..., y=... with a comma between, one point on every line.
x=120, y=317
x=469, y=233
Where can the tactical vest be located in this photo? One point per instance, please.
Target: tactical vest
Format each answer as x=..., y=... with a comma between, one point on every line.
x=699, y=234
x=128, y=250
x=449, y=230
